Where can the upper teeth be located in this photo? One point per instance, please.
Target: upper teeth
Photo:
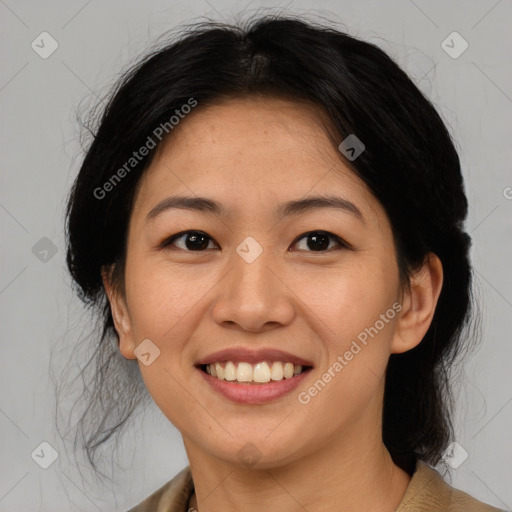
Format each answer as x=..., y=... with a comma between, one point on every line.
x=260, y=372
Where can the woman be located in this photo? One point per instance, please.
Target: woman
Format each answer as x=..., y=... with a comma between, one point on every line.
x=271, y=219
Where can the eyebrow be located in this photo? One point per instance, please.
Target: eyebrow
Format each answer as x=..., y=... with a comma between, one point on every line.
x=293, y=207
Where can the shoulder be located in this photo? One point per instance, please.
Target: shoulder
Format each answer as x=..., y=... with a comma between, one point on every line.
x=428, y=491
x=171, y=497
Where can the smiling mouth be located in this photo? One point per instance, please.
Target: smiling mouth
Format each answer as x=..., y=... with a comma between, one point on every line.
x=263, y=372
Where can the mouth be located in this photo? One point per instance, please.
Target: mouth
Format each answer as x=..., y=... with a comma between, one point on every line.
x=253, y=376
x=253, y=384
x=245, y=373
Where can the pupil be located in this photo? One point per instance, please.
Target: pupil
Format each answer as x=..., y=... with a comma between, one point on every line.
x=320, y=241
x=196, y=241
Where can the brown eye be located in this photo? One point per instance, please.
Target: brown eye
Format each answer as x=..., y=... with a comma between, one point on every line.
x=319, y=241
x=189, y=240
x=197, y=241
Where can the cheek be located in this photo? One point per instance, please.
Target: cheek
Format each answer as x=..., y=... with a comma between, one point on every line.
x=352, y=374
x=359, y=305
x=164, y=308
x=351, y=297
x=163, y=299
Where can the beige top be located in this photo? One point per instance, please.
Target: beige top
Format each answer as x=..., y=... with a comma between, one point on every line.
x=427, y=492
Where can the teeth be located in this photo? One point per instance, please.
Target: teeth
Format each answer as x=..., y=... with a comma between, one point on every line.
x=244, y=372
x=219, y=370
x=260, y=372
x=288, y=370
x=230, y=371
x=277, y=371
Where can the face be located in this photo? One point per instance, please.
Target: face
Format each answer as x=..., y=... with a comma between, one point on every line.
x=253, y=278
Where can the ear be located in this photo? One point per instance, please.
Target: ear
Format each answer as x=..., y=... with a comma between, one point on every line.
x=418, y=305
x=120, y=314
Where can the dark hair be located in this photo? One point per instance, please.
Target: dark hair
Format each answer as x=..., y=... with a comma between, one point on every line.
x=410, y=164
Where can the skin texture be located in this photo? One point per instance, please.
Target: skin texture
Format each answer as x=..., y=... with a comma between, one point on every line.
x=250, y=155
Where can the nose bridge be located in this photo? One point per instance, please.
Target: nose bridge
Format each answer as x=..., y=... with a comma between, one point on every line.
x=251, y=295
x=250, y=265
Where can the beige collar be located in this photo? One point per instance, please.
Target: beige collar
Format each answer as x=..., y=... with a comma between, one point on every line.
x=427, y=492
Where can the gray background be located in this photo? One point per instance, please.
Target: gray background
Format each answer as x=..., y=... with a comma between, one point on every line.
x=40, y=156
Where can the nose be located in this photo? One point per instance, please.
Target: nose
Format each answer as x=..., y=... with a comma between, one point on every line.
x=253, y=296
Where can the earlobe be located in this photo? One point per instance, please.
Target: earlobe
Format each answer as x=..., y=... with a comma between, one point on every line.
x=418, y=305
x=120, y=316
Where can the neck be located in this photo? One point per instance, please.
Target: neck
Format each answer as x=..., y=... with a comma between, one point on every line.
x=352, y=472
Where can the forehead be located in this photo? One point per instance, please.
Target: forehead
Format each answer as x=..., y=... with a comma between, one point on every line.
x=252, y=149
x=236, y=129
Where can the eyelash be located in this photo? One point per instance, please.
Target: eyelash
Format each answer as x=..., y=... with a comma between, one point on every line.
x=341, y=243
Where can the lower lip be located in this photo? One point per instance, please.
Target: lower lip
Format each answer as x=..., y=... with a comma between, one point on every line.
x=254, y=393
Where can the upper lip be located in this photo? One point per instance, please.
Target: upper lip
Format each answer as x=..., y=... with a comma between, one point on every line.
x=241, y=354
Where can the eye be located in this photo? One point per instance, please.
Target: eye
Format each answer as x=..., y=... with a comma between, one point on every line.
x=190, y=241
x=198, y=241
x=319, y=241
